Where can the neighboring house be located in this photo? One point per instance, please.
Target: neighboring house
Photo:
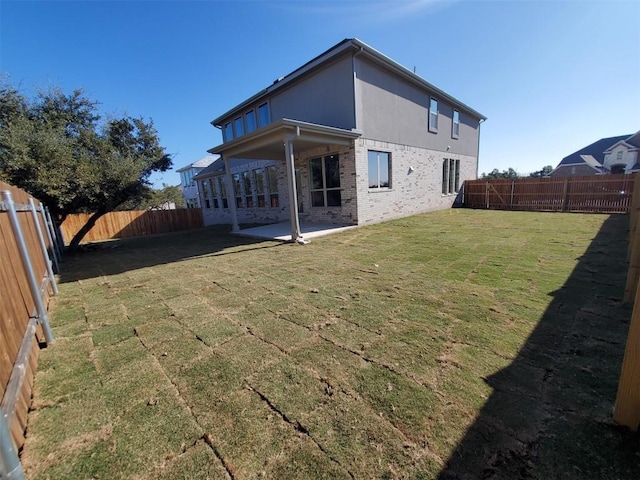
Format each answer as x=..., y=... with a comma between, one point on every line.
x=188, y=184
x=607, y=155
x=350, y=137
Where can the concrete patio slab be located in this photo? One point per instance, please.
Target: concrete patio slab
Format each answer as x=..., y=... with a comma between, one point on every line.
x=282, y=231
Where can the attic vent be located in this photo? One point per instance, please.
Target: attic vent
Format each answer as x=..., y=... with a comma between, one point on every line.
x=279, y=79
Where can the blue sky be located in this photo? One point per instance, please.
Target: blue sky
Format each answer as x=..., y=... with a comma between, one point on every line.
x=550, y=76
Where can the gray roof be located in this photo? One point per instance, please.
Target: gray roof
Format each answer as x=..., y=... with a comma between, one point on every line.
x=595, y=150
x=217, y=168
x=339, y=48
x=202, y=163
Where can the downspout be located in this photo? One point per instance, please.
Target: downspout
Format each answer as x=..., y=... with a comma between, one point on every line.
x=478, y=153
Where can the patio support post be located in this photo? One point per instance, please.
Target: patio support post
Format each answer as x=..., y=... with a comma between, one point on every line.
x=231, y=195
x=296, y=235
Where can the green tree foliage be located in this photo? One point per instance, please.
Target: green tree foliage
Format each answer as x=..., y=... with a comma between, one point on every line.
x=56, y=148
x=157, y=199
x=497, y=174
x=546, y=170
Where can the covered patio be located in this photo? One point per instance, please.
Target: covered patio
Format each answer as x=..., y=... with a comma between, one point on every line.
x=283, y=141
x=282, y=231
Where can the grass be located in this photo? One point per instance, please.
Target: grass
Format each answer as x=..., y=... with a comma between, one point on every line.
x=458, y=344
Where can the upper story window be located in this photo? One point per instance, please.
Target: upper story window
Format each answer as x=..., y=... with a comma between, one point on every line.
x=263, y=115
x=433, y=115
x=325, y=181
x=619, y=155
x=238, y=127
x=250, y=120
x=455, y=125
x=186, y=178
x=379, y=169
x=227, y=132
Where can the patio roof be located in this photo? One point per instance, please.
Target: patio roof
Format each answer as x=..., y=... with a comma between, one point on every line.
x=267, y=143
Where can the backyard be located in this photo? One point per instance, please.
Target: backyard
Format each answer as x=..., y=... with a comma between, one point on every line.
x=451, y=345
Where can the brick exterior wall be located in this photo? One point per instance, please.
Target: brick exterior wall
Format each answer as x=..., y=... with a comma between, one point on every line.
x=416, y=181
x=411, y=192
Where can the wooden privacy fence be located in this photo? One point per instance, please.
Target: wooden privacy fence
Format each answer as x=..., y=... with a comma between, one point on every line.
x=594, y=193
x=132, y=223
x=29, y=251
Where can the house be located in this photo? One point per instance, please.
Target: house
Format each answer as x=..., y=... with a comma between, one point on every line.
x=350, y=137
x=607, y=155
x=187, y=183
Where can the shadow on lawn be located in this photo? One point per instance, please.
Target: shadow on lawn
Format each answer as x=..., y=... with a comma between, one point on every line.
x=550, y=415
x=123, y=255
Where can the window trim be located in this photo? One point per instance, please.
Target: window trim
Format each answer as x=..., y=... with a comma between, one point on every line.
x=455, y=125
x=433, y=117
x=324, y=188
x=379, y=187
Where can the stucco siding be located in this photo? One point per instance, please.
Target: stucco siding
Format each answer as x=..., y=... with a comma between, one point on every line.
x=416, y=181
x=393, y=110
x=325, y=98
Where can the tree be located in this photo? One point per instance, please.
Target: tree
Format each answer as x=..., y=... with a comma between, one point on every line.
x=55, y=148
x=156, y=199
x=546, y=170
x=497, y=174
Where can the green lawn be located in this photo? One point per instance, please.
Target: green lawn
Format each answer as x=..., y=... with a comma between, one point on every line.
x=457, y=344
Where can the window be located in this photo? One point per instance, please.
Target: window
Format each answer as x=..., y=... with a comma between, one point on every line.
x=248, y=193
x=214, y=192
x=433, y=115
x=379, y=169
x=455, y=126
x=250, y=121
x=227, y=132
x=325, y=181
x=237, y=192
x=619, y=155
x=206, y=192
x=259, y=175
x=272, y=184
x=263, y=115
x=238, y=127
x=223, y=192
x=450, y=176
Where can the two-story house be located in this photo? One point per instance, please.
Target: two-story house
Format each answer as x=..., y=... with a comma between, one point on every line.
x=187, y=182
x=350, y=137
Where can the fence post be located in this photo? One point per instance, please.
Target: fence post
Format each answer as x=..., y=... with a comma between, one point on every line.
x=633, y=213
x=59, y=241
x=565, y=195
x=51, y=237
x=513, y=183
x=487, y=194
x=43, y=246
x=10, y=467
x=43, y=319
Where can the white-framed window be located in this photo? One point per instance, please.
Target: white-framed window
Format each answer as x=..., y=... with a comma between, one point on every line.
x=206, y=192
x=455, y=124
x=263, y=115
x=227, y=132
x=450, y=176
x=258, y=174
x=433, y=115
x=237, y=189
x=248, y=192
x=619, y=155
x=325, y=181
x=223, y=192
x=238, y=127
x=250, y=121
x=379, y=169
x=214, y=192
x=272, y=185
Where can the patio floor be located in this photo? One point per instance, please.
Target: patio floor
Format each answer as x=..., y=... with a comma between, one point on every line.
x=282, y=231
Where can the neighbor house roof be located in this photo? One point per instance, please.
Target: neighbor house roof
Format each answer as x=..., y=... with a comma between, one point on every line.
x=217, y=168
x=203, y=162
x=595, y=150
x=338, y=49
